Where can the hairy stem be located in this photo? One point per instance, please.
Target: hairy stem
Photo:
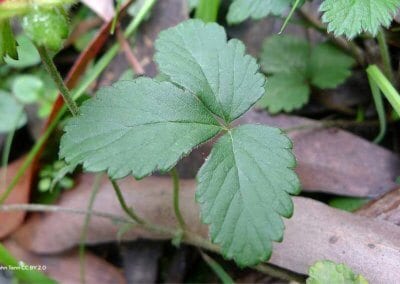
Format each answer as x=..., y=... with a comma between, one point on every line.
x=55, y=75
x=384, y=51
x=178, y=214
x=128, y=210
x=189, y=238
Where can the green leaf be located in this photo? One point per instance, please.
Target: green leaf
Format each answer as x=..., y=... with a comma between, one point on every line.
x=244, y=189
x=197, y=57
x=12, y=115
x=295, y=66
x=326, y=271
x=27, y=54
x=27, y=88
x=8, y=45
x=285, y=92
x=285, y=54
x=329, y=67
x=241, y=10
x=350, y=18
x=136, y=127
x=144, y=125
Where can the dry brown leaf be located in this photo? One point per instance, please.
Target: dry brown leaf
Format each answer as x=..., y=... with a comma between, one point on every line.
x=385, y=208
x=316, y=231
x=65, y=268
x=20, y=194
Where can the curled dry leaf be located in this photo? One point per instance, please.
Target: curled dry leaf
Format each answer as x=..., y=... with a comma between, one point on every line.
x=385, y=208
x=10, y=221
x=65, y=268
x=371, y=247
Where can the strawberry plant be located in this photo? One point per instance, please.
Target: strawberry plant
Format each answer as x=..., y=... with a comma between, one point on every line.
x=244, y=185
x=206, y=82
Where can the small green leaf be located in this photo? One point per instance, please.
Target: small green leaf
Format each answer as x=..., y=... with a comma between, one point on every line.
x=326, y=271
x=296, y=66
x=46, y=27
x=241, y=10
x=12, y=115
x=285, y=92
x=27, y=54
x=350, y=18
x=8, y=45
x=197, y=57
x=27, y=88
x=136, y=127
x=244, y=189
x=329, y=67
x=285, y=54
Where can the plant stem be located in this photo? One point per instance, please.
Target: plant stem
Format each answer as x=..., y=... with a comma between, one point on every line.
x=55, y=75
x=129, y=211
x=207, y=10
x=178, y=214
x=189, y=238
x=96, y=187
x=384, y=51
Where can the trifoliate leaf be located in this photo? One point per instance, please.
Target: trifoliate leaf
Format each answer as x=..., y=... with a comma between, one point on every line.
x=241, y=10
x=12, y=115
x=197, y=57
x=352, y=17
x=8, y=45
x=27, y=54
x=295, y=66
x=326, y=271
x=285, y=54
x=136, y=127
x=244, y=189
x=329, y=67
x=285, y=92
